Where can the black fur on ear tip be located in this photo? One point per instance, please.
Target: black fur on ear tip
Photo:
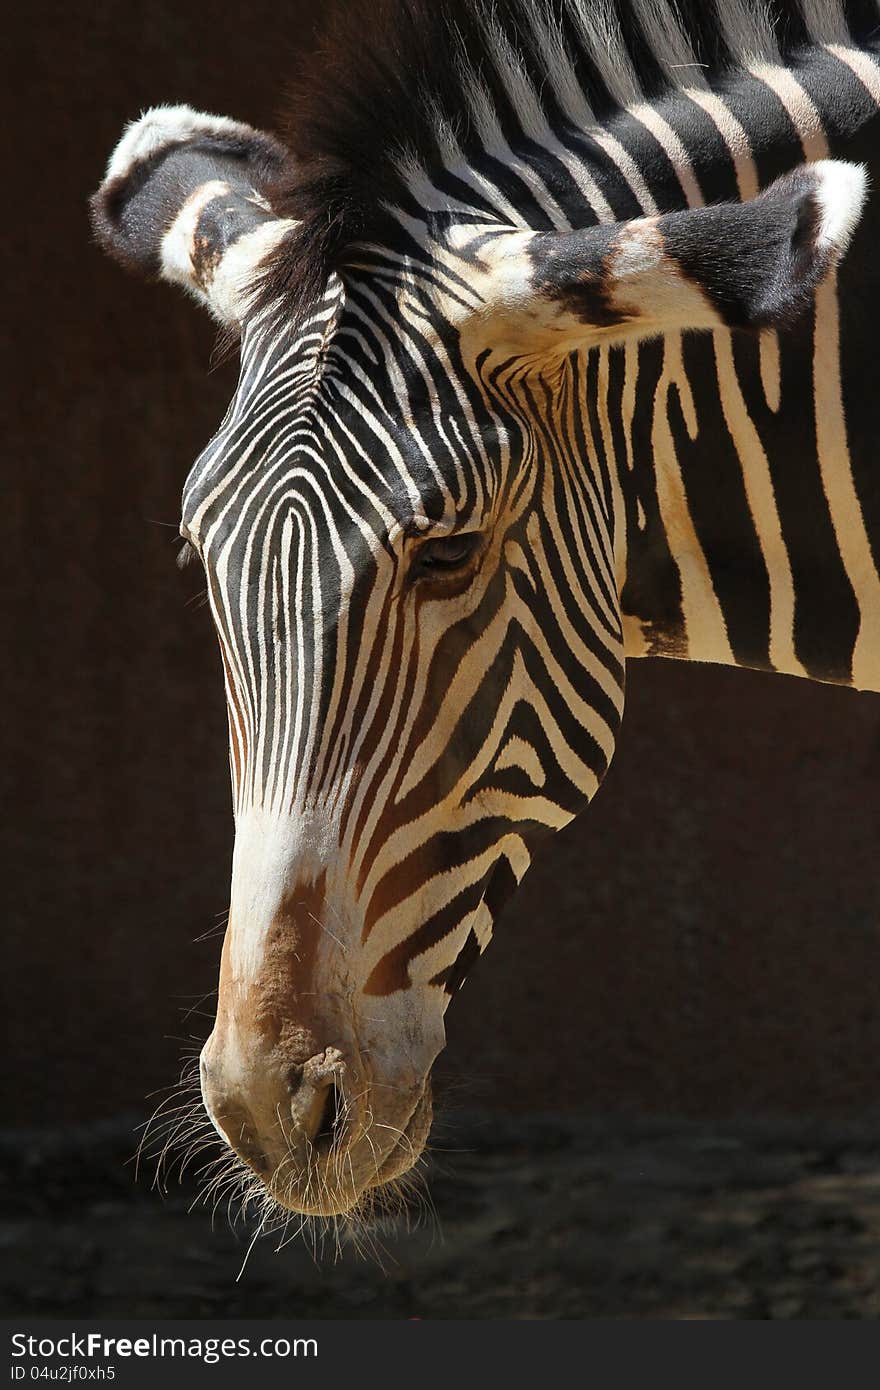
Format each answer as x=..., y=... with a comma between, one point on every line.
x=99, y=219
x=105, y=206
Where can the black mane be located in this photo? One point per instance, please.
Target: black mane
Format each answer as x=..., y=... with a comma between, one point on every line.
x=388, y=73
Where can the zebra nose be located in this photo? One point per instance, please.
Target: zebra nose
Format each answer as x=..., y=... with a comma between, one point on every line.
x=279, y=1118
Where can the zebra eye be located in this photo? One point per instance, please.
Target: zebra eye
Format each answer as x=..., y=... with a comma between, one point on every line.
x=447, y=554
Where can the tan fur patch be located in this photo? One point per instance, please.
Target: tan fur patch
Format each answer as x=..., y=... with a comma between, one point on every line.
x=280, y=1006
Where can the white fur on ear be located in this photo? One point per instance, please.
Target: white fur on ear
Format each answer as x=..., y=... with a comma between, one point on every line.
x=235, y=284
x=841, y=190
x=226, y=287
x=169, y=125
x=176, y=249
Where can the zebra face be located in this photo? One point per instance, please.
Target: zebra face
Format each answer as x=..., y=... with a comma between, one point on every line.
x=420, y=686
x=413, y=532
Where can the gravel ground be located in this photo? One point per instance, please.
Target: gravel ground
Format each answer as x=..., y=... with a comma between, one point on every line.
x=539, y=1220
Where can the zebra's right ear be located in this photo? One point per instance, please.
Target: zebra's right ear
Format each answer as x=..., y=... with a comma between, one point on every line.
x=184, y=199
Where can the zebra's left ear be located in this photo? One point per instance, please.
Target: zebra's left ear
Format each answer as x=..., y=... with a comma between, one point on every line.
x=737, y=265
x=183, y=199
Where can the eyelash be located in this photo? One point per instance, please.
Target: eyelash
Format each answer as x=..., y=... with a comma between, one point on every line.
x=186, y=554
x=445, y=556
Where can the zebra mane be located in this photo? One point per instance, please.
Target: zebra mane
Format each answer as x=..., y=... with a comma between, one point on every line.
x=400, y=87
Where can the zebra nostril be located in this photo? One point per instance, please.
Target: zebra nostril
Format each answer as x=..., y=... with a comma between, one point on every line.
x=315, y=1101
x=327, y=1133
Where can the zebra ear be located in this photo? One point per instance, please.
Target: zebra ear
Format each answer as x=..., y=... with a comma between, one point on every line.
x=183, y=199
x=738, y=265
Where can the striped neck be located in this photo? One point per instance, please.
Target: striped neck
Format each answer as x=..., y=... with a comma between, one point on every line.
x=750, y=540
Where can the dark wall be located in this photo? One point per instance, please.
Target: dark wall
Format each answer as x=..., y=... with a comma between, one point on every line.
x=704, y=940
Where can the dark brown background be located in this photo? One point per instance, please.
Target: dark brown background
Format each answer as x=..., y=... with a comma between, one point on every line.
x=706, y=940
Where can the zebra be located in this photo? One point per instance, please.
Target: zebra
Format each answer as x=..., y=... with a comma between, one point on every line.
x=550, y=358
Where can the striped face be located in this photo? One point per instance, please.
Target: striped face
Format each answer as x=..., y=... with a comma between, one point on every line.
x=410, y=571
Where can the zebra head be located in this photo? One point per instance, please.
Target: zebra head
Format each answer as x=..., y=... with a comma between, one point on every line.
x=412, y=528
